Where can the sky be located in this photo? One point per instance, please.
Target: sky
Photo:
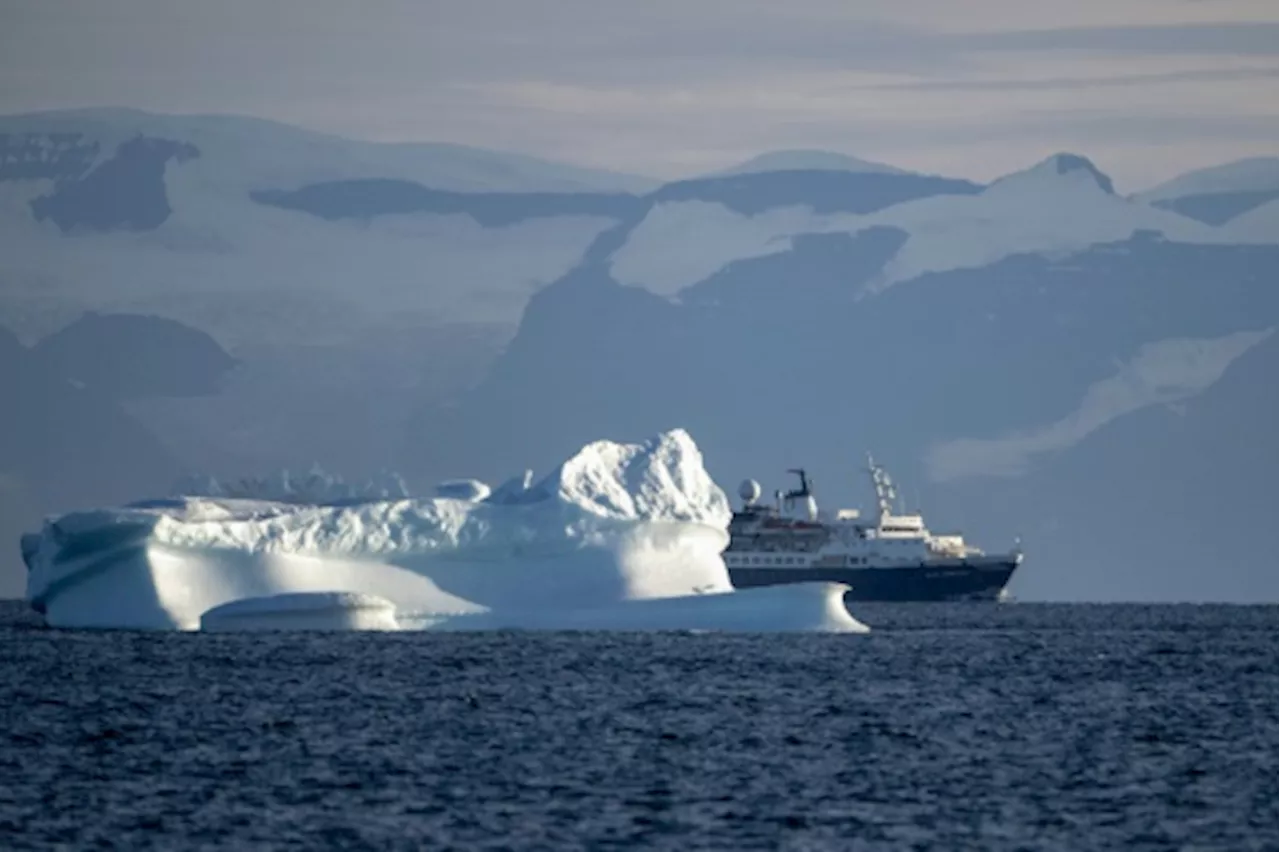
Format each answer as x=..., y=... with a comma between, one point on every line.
x=1147, y=89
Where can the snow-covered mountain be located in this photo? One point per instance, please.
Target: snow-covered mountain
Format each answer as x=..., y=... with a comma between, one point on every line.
x=250, y=152
x=132, y=357
x=1030, y=324
x=807, y=161
x=62, y=445
x=1174, y=500
x=449, y=312
x=1249, y=175
x=115, y=209
x=1220, y=193
x=1061, y=204
x=338, y=326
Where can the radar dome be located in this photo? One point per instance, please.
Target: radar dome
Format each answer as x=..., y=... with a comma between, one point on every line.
x=749, y=491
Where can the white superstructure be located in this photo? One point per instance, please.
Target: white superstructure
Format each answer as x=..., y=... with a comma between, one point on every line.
x=795, y=533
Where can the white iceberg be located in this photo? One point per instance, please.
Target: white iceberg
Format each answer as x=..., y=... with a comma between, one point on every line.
x=620, y=536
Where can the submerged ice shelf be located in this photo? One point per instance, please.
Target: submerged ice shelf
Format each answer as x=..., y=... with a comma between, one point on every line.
x=619, y=536
x=303, y=611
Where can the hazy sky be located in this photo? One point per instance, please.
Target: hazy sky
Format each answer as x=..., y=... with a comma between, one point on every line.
x=973, y=88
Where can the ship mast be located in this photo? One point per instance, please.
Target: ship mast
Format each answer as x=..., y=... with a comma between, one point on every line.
x=886, y=494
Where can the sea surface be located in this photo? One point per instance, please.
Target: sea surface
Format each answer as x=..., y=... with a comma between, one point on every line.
x=970, y=726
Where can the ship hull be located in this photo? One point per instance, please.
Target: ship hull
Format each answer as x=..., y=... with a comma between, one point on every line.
x=969, y=580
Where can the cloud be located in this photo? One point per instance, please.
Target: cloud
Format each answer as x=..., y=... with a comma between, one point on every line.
x=1202, y=75
x=1253, y=38
x=1105, y=126
x=670, y=86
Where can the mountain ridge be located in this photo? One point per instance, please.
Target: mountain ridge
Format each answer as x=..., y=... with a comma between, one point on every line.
x=381, y=319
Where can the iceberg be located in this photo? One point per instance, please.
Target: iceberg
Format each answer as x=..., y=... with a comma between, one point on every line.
x=801, y=607
x=303, y=611
x=619, y=536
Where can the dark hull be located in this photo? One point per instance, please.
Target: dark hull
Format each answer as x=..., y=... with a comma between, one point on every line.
x=941, y=582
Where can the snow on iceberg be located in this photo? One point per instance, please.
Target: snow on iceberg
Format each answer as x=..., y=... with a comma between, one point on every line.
x=625, y=535
x=315, y=486
x=471, y=490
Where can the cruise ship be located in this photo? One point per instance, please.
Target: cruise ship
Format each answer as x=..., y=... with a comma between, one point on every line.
x=892, y=557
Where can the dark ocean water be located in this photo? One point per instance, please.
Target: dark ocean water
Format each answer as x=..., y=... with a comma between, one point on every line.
x=949, y=727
